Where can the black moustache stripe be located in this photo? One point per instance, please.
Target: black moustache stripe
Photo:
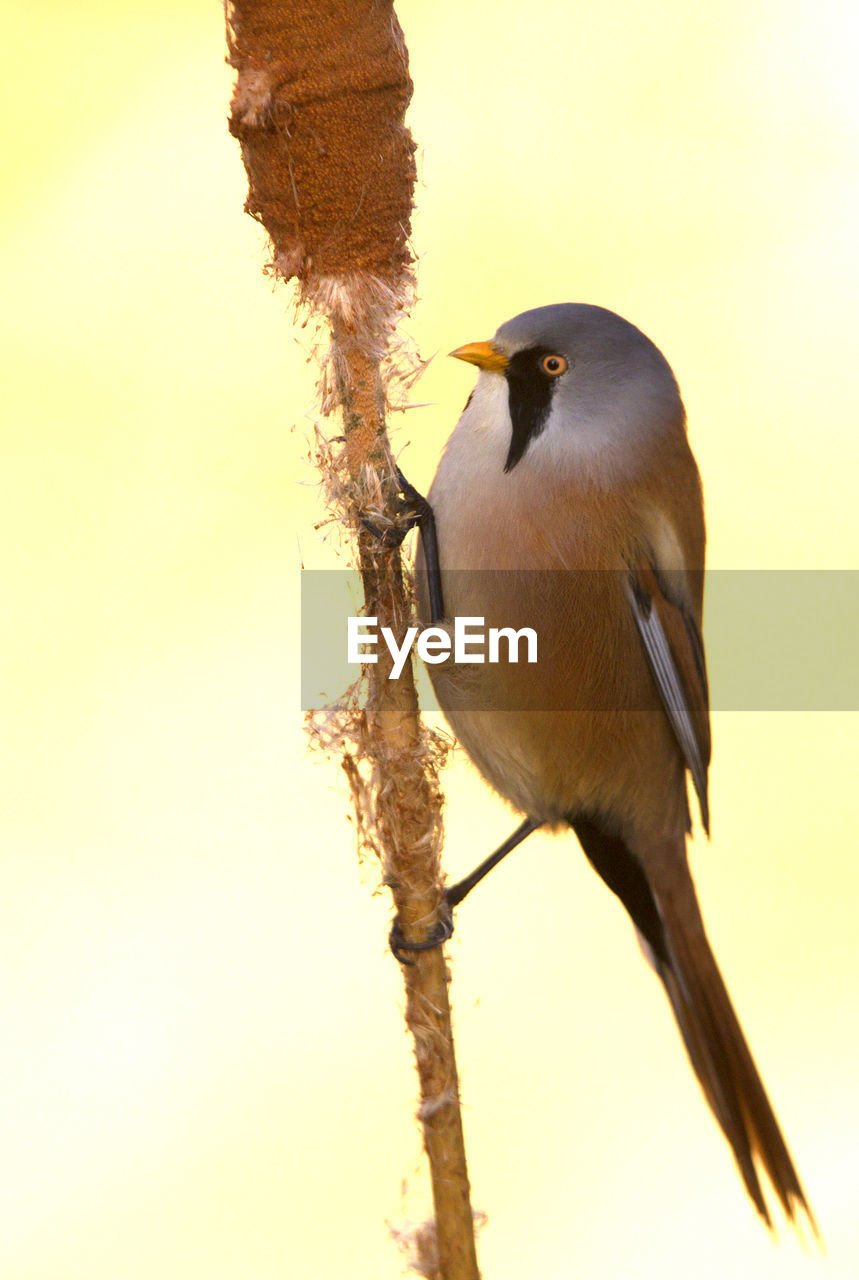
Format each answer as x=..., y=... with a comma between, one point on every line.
x=529, y=396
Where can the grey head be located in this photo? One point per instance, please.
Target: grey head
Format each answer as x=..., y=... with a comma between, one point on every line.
x=583, y=382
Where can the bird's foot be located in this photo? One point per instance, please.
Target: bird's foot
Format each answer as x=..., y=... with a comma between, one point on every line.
x=411, y=512
x=441, y=931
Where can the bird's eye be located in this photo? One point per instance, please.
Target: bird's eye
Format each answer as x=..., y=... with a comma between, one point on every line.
x=554, y=366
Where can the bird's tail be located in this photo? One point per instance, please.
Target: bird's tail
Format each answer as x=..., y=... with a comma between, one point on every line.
x=720, y=1056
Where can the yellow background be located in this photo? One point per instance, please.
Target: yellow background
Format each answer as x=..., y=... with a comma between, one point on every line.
x=204, y=1068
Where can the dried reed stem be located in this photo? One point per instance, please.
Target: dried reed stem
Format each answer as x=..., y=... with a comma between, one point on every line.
x=318, y=107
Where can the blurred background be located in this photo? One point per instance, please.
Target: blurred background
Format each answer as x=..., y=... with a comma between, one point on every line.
x=205, y=1070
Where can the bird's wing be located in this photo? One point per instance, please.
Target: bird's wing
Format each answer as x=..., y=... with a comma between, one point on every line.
x=675, y=654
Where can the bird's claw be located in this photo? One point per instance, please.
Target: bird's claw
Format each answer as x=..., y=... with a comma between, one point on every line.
x=439, y=934
x=390, y=537
x=411, y=511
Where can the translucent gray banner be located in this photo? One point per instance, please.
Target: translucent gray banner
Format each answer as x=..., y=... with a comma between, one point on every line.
x=776, y=640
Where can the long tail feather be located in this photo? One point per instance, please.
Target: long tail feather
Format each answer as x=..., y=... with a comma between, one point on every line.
x=721, y=1057
x=653, y=881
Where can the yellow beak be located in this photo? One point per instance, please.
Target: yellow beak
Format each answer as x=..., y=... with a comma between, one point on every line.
x=483, y=354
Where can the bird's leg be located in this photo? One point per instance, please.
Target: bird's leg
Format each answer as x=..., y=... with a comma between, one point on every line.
x=425, y=521
x=416, y=512
x=455, y=894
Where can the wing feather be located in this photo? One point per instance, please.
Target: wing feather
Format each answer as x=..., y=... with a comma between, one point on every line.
x=675, y=654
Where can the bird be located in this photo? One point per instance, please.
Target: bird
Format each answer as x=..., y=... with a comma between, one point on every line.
x=568, y=497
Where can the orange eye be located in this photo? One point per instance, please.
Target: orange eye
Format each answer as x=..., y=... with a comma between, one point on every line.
x=554, y=366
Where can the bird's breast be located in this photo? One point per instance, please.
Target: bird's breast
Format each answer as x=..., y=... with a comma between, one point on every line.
x=529, y=548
